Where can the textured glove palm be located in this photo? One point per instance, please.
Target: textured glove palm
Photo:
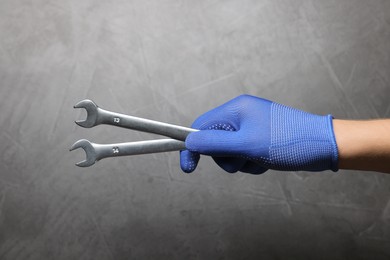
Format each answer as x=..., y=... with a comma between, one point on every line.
x=251, y=134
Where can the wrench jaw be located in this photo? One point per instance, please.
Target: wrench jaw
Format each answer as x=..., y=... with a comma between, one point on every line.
x=92, y=113
x=89, y=150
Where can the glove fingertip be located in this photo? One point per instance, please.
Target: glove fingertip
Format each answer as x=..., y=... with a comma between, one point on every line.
x=191, y=142
x=212, y=142
x=188, y=161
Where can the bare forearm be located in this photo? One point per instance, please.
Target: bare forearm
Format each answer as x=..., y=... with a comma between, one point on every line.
x=363, y=145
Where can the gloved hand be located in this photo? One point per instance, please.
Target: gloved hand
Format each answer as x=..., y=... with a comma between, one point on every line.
x=252, y=135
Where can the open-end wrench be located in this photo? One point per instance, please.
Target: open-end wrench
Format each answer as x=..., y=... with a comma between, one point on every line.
x=97, y=116
x=95, y=152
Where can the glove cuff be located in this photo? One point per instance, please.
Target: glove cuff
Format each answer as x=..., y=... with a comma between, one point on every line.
x=302, y=141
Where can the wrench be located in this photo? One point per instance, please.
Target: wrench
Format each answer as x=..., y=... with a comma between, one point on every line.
x=95, y=152
x=97, y=116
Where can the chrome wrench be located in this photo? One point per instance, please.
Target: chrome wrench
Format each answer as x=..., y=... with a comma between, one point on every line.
x=97, y=116
x=95, y=152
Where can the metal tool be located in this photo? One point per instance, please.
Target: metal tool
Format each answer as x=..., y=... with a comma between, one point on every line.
x=97, y=116
x=95, y=152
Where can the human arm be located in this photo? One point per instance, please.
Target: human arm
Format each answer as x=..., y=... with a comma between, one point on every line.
x=363, y=145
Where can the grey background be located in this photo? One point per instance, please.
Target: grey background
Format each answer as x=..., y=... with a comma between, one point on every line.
x=171, y=61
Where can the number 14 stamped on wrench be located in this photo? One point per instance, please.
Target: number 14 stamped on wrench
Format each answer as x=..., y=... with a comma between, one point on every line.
x=97, y=116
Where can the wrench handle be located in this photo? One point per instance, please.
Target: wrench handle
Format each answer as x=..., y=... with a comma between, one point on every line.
x=134, y=148
x=143, y=124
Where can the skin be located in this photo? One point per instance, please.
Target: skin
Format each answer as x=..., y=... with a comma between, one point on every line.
x=363, y=145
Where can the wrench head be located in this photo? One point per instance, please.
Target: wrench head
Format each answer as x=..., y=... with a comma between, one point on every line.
x=92, y=113
x=89, y=152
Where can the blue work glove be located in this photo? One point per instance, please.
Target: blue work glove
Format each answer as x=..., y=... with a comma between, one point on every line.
x=252, y=135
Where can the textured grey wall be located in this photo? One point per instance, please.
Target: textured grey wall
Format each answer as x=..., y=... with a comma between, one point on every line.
x=171, y=61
